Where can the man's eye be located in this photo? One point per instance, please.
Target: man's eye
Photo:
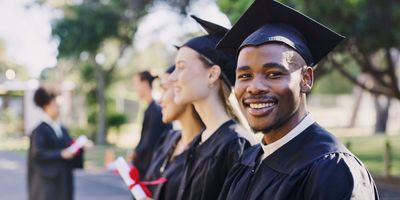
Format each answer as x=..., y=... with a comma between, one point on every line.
x=274, y=75
x=243, y=76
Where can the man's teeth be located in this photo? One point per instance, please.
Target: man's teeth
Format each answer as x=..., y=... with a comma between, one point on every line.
x=260, y=105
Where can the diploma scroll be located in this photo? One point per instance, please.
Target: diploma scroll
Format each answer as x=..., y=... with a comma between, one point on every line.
x=78, y=144
x=124, y=171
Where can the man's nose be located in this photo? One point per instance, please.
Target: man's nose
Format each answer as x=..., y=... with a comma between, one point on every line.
x=257, y=86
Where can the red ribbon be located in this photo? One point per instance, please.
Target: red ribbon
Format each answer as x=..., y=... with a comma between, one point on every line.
x=134, y=174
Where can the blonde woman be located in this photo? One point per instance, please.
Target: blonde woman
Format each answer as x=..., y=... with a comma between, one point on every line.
x=203, y=77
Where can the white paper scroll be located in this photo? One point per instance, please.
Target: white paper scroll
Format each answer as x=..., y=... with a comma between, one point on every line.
x=123, y=169
x=78, y=144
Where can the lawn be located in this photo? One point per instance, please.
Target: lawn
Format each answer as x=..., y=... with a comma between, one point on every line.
x=369, y=149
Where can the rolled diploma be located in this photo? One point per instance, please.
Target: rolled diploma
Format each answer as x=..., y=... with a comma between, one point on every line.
x=123, y=169
x=79, y=143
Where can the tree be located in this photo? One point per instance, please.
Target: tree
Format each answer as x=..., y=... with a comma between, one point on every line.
x=373, y=50
x=372, y=44
x=86, y=28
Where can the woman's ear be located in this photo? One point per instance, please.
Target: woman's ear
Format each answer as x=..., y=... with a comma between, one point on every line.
x=213, y=73
x=307, y=79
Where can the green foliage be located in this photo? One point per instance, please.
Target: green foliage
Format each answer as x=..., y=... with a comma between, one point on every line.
x=116, y=120
x=333, y=83
x=86, y=26
x=370, y=24
x=234, y=8
x=371, y=29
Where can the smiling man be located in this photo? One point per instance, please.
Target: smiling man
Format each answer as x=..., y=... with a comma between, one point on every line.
x=277, y=50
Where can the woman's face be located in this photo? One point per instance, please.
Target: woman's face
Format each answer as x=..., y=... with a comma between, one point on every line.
x=170, y=110
x=190, y=78
x=53, y=109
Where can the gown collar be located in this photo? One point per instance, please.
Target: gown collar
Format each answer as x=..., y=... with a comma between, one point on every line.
x=55, y=125
x=300, y=127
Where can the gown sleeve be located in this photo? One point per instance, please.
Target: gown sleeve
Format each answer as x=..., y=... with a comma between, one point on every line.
x=235, y=149
x=338, y=176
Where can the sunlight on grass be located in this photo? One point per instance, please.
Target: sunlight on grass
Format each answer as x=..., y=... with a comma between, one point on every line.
x=371, y=151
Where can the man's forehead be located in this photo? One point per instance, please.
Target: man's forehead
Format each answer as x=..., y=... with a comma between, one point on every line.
x=270, y=52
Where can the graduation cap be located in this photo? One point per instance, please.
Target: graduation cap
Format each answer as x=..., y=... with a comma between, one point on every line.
x=205, y=45
x=270, y=21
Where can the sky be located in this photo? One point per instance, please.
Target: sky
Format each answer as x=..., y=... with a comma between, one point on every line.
x=27, y=35
x=167, y=26
x=27, y=32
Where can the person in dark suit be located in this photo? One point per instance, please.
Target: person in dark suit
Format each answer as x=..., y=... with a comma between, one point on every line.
x=297, y=159
x=50, y=165
x=152, y=127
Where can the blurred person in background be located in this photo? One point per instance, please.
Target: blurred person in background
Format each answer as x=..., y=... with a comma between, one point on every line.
x=50, y=165
x=169, y=158
x=152, y=127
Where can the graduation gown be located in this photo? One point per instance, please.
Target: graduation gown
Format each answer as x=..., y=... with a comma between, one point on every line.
x=152, y=130
x=49, y=175
x=313, y=165
x=208, y=164
x=171, y=170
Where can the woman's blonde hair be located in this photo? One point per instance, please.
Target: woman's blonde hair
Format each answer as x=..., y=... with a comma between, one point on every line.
x=224, y=90
x=231, y=104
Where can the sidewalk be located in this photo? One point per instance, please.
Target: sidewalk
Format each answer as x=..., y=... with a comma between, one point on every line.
x=88, y=185
x=106, y=186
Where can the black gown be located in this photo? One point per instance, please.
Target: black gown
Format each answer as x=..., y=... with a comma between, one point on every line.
x=313, y=165
x=172, y=170
x=49, y=175
x=208, y=164
x=152, y=130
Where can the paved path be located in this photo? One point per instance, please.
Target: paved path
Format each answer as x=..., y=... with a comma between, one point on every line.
x=88, y=185
x=103, y=186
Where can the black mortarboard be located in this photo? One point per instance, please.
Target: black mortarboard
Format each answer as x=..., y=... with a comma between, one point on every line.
x=170, y=69
x=270, y=21
x=205, y=45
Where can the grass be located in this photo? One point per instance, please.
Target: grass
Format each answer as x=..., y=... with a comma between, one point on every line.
x=369, y=149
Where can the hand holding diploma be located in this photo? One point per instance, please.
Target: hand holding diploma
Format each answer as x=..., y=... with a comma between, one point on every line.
x=73, y=149
x=77, y=144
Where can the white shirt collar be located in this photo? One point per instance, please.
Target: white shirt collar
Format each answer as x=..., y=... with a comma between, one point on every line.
x=272, y=147
x=56, y=126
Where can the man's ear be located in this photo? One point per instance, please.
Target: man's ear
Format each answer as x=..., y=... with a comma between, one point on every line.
x=214, y=73
x=307, y=79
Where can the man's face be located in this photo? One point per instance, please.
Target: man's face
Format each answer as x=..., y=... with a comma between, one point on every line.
x=140, y=86
x=269, y=83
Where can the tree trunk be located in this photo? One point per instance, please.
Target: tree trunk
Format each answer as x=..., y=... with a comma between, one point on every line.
x=382, y=105
x=101, y=103
x=357, y=95
x=358, y=92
